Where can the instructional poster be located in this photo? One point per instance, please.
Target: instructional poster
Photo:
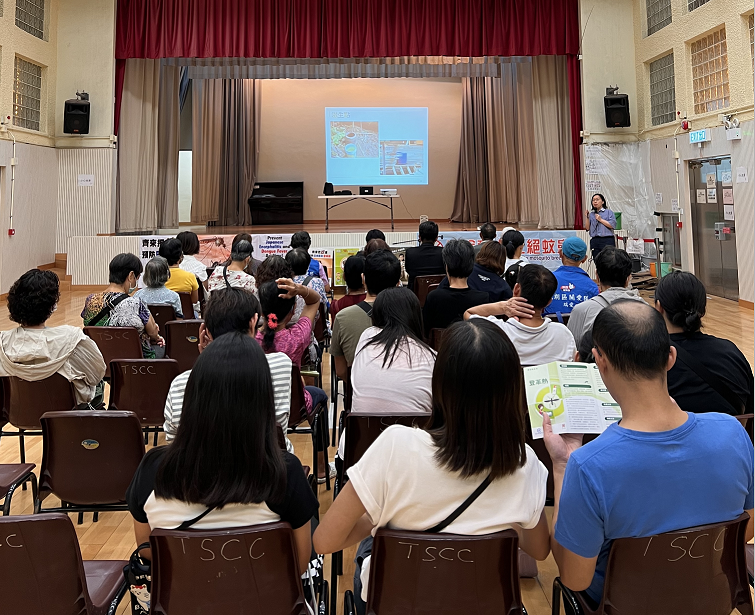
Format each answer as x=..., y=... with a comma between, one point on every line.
x=573, y=395
x=325, y=257
x=341, y=254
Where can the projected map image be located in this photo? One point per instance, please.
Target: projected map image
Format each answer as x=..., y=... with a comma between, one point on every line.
x=354, y=139
x=402, y=157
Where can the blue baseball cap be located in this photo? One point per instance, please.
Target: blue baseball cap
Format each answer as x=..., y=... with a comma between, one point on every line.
x=574, y=248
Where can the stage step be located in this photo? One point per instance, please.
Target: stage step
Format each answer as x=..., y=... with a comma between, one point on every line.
x=65, y=280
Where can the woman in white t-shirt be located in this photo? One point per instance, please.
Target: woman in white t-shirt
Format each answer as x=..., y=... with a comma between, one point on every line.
x=412, y=479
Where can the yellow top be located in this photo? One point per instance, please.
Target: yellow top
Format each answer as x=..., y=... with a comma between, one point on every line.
x=181, y=281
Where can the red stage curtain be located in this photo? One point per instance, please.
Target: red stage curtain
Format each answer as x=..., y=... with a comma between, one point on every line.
x=575, y=113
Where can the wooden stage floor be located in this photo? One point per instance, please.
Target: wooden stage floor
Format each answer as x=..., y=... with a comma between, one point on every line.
x=112, y=537
x=341, y=226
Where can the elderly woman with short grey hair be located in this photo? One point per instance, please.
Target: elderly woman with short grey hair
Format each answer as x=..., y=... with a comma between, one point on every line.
x=156, y=274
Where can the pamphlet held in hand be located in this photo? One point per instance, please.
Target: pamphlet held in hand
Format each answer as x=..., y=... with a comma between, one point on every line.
x=573, y=395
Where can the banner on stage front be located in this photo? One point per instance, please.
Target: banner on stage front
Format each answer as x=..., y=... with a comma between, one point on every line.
x=341, y=254
x=265, y=245
x=325, y=258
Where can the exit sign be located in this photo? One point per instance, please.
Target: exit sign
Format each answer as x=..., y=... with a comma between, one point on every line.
x=699, y=136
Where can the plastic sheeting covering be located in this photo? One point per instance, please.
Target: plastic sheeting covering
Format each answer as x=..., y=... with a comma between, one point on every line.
x=621, y=173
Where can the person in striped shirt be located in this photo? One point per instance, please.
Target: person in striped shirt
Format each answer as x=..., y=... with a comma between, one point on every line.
x=229, y=310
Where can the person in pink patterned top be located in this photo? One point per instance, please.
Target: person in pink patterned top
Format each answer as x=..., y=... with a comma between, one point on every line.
x=277, y=299
x=234, y=274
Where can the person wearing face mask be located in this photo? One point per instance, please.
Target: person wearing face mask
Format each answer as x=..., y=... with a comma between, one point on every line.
x=33, y=351
x=601, y=223
x=234, y=274
x=115, y=307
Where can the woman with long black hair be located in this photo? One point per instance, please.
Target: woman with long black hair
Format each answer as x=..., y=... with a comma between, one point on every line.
x=225, y=460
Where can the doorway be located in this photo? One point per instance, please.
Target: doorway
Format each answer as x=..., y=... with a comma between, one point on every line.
x=713, y=229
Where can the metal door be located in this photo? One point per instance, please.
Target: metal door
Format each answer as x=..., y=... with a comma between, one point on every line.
x=714, y=237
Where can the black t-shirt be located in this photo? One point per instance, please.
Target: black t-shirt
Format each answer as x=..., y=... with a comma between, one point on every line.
x=298, y=506
x=445, y=306
x=727, y=364
x=488, y=281
x=426, y=259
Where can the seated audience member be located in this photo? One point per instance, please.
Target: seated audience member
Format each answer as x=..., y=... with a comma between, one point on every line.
x=486, y=273
x=156, y=274
x=513, y=242
x=353, y=268
x=180, y=281
x=445, y=306
x=273, y=268
x=707, y=368
x=374, y=234
x=277, y=303
x=381, y=270
x=32, y=351
x=302, y=240
x=537, y=339
x=614, y=271
x=189, y=247
x=412, y=479
x=427, y=258
x=253, y=264
x=115, y=307
x=487, y=234
x=659, y=469
x=225, y=460
x=300, y=262
x=584, y=350
x=234, y=274
x=574, y=284
x=231, y=310
x=373, y=245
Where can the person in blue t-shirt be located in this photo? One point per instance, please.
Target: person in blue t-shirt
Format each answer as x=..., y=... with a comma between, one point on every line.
x=659, y=469
x=574, y=284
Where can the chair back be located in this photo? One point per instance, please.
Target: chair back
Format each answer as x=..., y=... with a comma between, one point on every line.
x=182, y=342
x=436, y=337
x=116, y=343
x=363, y=428
x=42, y=567
x=747, y=423
x=298, y=413
x=26, y=401
x=703, y=569
x=417, y=573
x=320, y=328
x=162, y=314
x=245, y=570
x=142, y=386
x=422, y=285
x=564, y=318
x=348, y=391
x=89, y=457
x=187, y=307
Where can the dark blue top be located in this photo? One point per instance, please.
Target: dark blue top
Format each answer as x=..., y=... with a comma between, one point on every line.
x=488, y=281
x=574, y=287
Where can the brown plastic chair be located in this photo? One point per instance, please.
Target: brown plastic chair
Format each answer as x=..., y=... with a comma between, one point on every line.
x=142, y=386
x=422, y=285
x=436, y=338
x=413, y=573
x=25, y=402
x=162, y=314
x=182, y=342
x=116, y=343
x=696, y=571
x=298, y=416
x=187, y=307
x=747, y=423
x=246, y=570
x=11, y=476
x=88, y=459
x=43, y=571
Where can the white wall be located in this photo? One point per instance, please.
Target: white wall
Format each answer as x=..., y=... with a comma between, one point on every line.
x=292, y=145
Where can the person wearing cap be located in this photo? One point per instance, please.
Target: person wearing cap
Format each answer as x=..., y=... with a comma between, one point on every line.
x=574, y=284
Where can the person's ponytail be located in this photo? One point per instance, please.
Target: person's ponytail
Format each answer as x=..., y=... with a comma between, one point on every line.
x=511, y=240
x=683, y=299
x=268, y=339
x=275, y=309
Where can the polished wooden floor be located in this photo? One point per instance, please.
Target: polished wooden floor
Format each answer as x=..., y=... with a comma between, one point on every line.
x=112, y=536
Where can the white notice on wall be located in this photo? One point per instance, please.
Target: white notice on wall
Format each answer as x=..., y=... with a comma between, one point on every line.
x=86, y=180
x=726, y=178
x=710, y=180
x=596, y=166
x=741, y=175
x=701, y=195
x=659, y=198
x=728, y=196
x=593, y=185
x=728, y=212
x=712, y=197
x=674, y=205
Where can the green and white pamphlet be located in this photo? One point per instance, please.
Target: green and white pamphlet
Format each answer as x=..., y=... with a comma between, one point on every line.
x=573, y=395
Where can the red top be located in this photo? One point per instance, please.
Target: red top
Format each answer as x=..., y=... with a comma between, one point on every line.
x=344, y=302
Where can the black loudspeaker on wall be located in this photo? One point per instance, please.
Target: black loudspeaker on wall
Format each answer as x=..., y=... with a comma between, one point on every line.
x=617, y=109
x=76, y=115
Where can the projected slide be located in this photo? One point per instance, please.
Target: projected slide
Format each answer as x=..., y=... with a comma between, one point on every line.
x=376, y=146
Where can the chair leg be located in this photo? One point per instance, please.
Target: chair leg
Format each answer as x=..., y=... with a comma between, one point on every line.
x=154, y=441
x=81, y=518
x=22, y=451
x=146, y=437
x=324, y=439
x=333, y=584
x=556, y=601
x=96, y=517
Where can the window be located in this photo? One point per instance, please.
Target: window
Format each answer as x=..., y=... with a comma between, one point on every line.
x=27, y=94
x=30, y=16
x=693, y=4
x=659, y=14
x=750, y=20
x=662, y=94
x=710, y=72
